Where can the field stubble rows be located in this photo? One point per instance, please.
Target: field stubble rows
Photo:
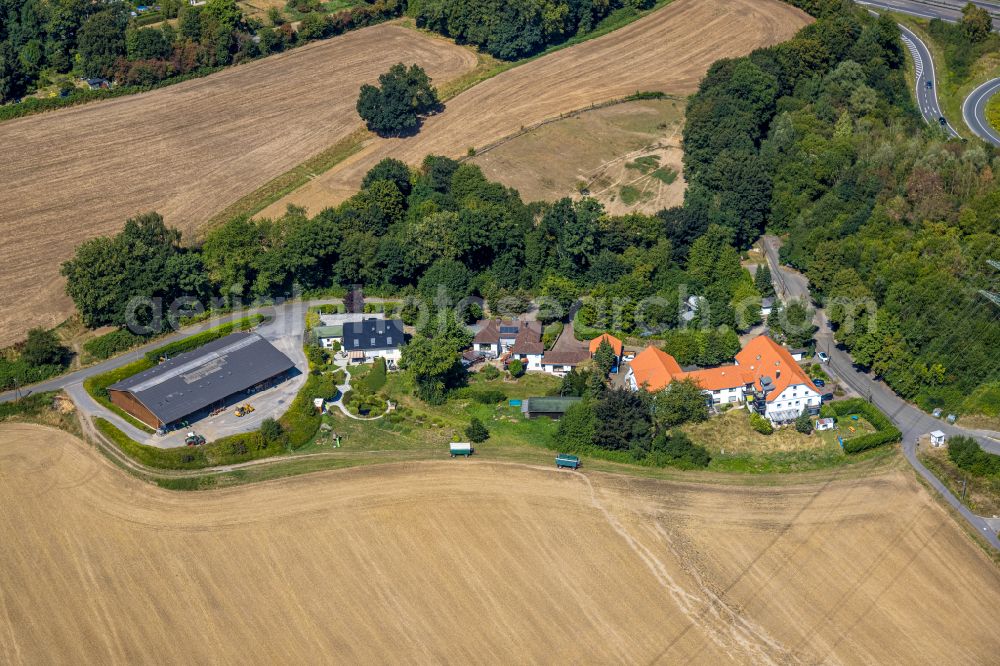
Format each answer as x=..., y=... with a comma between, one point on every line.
x=186, y=151
x=470, y=561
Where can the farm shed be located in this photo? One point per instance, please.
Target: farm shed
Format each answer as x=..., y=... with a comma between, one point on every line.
x=186, y=384
x=938, y=438
x=552, y=406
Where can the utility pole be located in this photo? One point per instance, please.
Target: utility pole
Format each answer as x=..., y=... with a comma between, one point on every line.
x=965, y=483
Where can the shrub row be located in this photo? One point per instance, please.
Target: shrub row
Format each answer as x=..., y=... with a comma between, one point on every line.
x=197, y=340
x=19, y=371
x=113, y=343
x=32, y=404
x=885, y=431
x=375, y=379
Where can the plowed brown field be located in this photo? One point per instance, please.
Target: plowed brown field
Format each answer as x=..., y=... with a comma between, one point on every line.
x=472, y=562
x=669, y=50
x=186, y=151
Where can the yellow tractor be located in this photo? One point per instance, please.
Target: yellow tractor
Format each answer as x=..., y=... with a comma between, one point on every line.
x=243, y=410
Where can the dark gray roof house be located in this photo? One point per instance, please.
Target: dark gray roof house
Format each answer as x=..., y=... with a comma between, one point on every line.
x=197, y=379
x=371, y=334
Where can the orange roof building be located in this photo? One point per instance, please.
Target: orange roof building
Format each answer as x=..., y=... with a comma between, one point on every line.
x=765, y=376
x=652, y=369
x=763, y=357
x=616, y=344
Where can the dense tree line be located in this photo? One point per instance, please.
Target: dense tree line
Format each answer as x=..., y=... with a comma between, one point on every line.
x=882, y=212
x=513, y=29
x=43, y=37
x=639, y=424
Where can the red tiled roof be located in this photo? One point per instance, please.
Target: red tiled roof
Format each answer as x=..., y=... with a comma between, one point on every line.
x=763, y=357
x=654, y=368
x=616, y=344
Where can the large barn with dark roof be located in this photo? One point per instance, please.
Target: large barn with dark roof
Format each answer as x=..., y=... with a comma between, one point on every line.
x=199, y=379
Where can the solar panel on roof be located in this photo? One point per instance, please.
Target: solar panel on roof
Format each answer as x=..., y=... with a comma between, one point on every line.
x=509, y=329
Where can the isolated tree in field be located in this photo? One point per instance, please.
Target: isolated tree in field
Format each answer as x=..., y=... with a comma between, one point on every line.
x=43, y=348
x=803, y=423
x=395, y=107
x=476, y=431
x=604, y=357
x=976, y=22
x=762, y=280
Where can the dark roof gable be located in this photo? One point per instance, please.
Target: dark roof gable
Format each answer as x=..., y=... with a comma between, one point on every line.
x=372, y=334
x=196, y=379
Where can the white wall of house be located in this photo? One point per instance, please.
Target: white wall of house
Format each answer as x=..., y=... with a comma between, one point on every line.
x=490, y=348
x=630, y=380
x=387, y=354
x=726, y=395
x=557, y=370
x=531, y=361
x=793, y=398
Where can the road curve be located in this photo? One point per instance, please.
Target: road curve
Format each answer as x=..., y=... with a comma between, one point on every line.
x=911, y=421
x=925, y=89
x=974, y=111
x=945, y=10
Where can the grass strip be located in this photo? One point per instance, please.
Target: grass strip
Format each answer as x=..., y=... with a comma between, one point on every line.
x=486, y=68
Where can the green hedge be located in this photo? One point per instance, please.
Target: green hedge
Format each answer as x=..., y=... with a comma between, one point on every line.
x=375, y=379
x=113, y=343
x=885, y=431
x=21, y=372
x=197, y=340
x=30, y=405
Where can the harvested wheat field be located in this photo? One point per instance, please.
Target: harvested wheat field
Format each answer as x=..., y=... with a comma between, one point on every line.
x=186, y=151
x=632, y=145
x=668, y=51
x=472, y=562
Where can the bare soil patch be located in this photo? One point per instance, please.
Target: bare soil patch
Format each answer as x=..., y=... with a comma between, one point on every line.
x=459, y=561
x=667, y=51
x=186, y=151
x=597, y=149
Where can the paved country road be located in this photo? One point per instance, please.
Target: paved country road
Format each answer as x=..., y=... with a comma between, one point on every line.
x=925, y=89
x=911, y=421
x=974, y=111
x=926, y=86
x=946, y=10
x=284, y=320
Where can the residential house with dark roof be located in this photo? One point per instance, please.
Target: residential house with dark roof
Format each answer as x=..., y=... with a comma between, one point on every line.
x=560, y=363
x=372, y=338
x=496, y=337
